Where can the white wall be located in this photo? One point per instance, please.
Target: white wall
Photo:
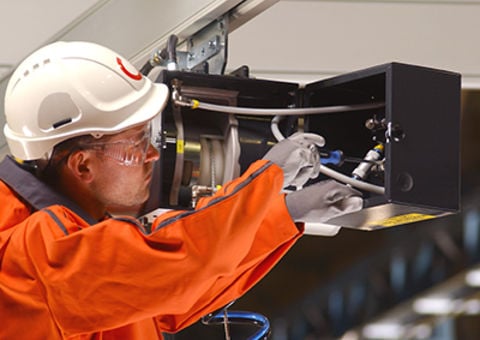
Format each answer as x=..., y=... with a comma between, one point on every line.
x=308, y=40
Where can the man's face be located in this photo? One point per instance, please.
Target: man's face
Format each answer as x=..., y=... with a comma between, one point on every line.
x=123, y=169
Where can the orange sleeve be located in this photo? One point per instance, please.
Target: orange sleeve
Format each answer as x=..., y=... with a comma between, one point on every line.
x=194, y=262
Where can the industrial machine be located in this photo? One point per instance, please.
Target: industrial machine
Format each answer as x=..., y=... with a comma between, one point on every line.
x=378, y=124
x=392, y=131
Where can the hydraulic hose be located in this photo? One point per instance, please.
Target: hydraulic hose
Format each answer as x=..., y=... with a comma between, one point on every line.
x=146, y=69
x=172, y=52
x=351, y=181
x=195, y=104
x=167, y=55
x=275, y=130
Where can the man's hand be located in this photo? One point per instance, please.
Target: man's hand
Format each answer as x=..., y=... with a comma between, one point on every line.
x=298, y=157
x=322, y=201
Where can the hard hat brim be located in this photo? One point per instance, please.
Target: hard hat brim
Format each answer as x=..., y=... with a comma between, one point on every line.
x=37, y=147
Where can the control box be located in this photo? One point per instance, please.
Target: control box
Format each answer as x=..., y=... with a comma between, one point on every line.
x=409, y=114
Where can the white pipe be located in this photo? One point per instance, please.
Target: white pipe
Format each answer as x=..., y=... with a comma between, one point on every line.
x=275, y=130
x=195, y=104
x=352, y=181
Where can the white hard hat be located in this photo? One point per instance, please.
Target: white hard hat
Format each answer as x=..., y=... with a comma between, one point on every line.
x=68, y=89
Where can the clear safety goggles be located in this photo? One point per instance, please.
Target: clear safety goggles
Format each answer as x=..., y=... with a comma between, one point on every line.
x=131, y=151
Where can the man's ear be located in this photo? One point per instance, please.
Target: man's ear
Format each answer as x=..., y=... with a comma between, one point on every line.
x=79, y=163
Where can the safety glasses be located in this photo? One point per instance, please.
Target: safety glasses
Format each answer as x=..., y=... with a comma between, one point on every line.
x=131, y=151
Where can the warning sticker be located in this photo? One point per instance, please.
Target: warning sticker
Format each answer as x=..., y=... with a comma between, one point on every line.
x=401, y=219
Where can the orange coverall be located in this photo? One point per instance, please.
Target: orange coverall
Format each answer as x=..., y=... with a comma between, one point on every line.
x=67, y=277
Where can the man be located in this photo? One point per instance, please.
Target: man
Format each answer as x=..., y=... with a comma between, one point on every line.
x=78, y=128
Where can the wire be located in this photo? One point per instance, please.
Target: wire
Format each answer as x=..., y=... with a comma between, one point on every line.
x=352, y=181
x=298, y=111
x=275, y=111
x=145, y=70
x=286, y=112
x=275, y=130
x=328, y=171
x=350, y=159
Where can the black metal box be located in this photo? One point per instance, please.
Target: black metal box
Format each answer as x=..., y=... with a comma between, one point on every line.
x=418, y=124
x=422, y=138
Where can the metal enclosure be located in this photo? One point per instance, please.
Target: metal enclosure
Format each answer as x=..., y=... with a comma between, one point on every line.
x=418, y=125
x=422, y=138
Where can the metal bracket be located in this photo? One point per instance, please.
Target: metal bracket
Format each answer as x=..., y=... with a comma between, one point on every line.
x=206, y=49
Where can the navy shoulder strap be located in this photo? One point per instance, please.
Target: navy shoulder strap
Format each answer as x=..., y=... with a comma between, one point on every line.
x=35, y=192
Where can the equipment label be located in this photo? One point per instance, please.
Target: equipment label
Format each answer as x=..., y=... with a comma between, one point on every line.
x=401, y=219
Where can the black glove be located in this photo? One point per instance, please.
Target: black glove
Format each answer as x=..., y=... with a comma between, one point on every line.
x=298, y=157
x=322, y=201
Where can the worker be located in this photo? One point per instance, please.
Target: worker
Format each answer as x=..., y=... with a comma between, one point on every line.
x=78, y=127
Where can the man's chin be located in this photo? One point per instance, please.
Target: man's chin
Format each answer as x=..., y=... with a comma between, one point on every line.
x=130, y=210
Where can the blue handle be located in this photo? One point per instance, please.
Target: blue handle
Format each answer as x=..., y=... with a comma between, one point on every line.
x=334, y=157
x=245, y=318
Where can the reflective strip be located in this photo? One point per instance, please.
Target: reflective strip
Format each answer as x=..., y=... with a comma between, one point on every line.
x=240, y=186
x=57, y=220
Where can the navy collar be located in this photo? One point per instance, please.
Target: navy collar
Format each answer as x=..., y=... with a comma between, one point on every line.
x=35, y=192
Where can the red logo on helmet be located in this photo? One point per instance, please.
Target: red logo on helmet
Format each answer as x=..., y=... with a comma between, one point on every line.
x=137, y=76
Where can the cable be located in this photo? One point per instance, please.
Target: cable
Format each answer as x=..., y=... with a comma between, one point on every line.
x=286, y=112
x=164, y=57
x=145, y=70
x=178, y=100
x=172, y=52
x=275, y=130
x=194, y=104
x=336, y=158
x=352, y=181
